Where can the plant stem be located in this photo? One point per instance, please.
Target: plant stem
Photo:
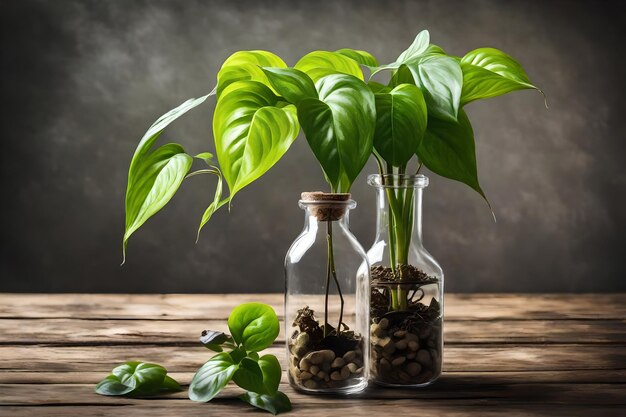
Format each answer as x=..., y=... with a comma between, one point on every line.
x=328, y=269
x=331, y=258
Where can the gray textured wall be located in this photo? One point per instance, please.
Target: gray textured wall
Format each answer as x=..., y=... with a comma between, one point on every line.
x=82, y=80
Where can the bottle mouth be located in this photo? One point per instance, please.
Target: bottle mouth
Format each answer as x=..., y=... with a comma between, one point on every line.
x=397, y=181
x=326, y=206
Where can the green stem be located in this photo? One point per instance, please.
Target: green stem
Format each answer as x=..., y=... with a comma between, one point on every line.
x=328, y=269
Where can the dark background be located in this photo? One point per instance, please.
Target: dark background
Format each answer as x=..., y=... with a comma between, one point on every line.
x=83, y=80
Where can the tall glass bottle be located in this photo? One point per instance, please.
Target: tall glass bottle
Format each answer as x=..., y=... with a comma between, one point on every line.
x=326, y=300
x=406, y=307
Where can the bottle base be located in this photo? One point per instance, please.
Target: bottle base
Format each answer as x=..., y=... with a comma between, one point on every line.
x=348, y=390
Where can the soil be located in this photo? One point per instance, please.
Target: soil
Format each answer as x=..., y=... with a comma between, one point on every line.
x=319, y=362
x=406, y=344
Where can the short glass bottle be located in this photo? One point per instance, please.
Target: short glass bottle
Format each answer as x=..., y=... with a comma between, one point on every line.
x=326, y=300
x=406, y=288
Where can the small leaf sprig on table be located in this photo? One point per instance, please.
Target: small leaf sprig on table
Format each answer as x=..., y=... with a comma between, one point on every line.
x=253, y=327
x=137, y=379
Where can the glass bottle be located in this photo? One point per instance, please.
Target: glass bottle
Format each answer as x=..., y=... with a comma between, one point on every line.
x=406, y=307
x=326, y=300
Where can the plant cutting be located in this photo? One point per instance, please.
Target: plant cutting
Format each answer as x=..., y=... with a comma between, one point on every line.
x=254, y=327
x=416, y=115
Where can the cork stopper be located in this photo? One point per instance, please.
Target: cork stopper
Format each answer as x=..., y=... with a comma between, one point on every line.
x=326, y=206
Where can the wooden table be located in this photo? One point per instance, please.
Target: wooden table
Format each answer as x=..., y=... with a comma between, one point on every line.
x=505, y=355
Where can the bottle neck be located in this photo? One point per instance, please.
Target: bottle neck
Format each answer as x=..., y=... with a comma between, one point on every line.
x=314, y=222
x=400, y=208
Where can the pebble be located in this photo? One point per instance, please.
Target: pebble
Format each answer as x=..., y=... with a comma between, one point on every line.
x=404, y=376
x=295, y=372
x=425, y=332
x=384, y=342
x=299, y=351
x=326, y=367
x=411, y=355
x=400, y=334
x=305, y=375
x=338, y=363
x=349, y=356
x=322, y=375
x=411, y=336
x=314, y=369
x=398, y=361
x=320, y=356
x=359, y=370
x=390, y=348
x=303, y=339
x=384, y=365
x=336, y=376
x=310, y=384
x=383, y=323
x=413, y=345
x=305, y=364
x=423, y=357
x=295, y=361
x=413, y=368
x=376, y=330
x=345, y=372
x=352, y=367
x=401, y=344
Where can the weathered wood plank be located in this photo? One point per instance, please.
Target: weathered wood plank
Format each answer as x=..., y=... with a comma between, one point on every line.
x=352, y=407
x=457, y=358
x=186, y=332
x=449, y=390
x=217, y=306
x=603, y=376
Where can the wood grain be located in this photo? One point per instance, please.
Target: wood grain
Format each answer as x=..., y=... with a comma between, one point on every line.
x=506, y=355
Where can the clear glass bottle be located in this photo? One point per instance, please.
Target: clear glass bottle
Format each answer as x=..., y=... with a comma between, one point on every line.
x=406, y=309
x=327, y=300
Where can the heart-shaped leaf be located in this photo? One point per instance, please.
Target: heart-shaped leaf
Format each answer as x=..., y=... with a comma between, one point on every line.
x=401, y=118
x=253, y=325
x=111, y=385
x=252, y=132
x=291, y=84
x=488, y=72
x=275, y=404
x=271, y=373
x=448, y=149
x=154, y=178
x=217, y=198
x=245, y=66
x=318, y=64
x=140, y=374
x=440, y=78
x=417, y=48
x=250, y=377
x=212, y=377
x=339, y=127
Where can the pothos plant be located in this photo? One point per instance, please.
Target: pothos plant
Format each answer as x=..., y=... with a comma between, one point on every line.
x=346, y=117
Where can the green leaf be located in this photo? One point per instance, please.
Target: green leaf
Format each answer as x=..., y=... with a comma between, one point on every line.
x=153, y=178
x=271, y=372
x=440, y=78
x=401, y=118
x=212, y=377
x=275, y=404
x=417, y=48
x=170, y=385
x=318, y=64
x=249, y=376
x=205, y=156
x=361, y=57
x=251, y=132
x=212, y=340
x=245, y=66
x=488, y=72
x=253, y=325
x=111, y=385
x=339, y=127
x=293, y=85
x=448, y=149
x=139, y=374
x=378, y=87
